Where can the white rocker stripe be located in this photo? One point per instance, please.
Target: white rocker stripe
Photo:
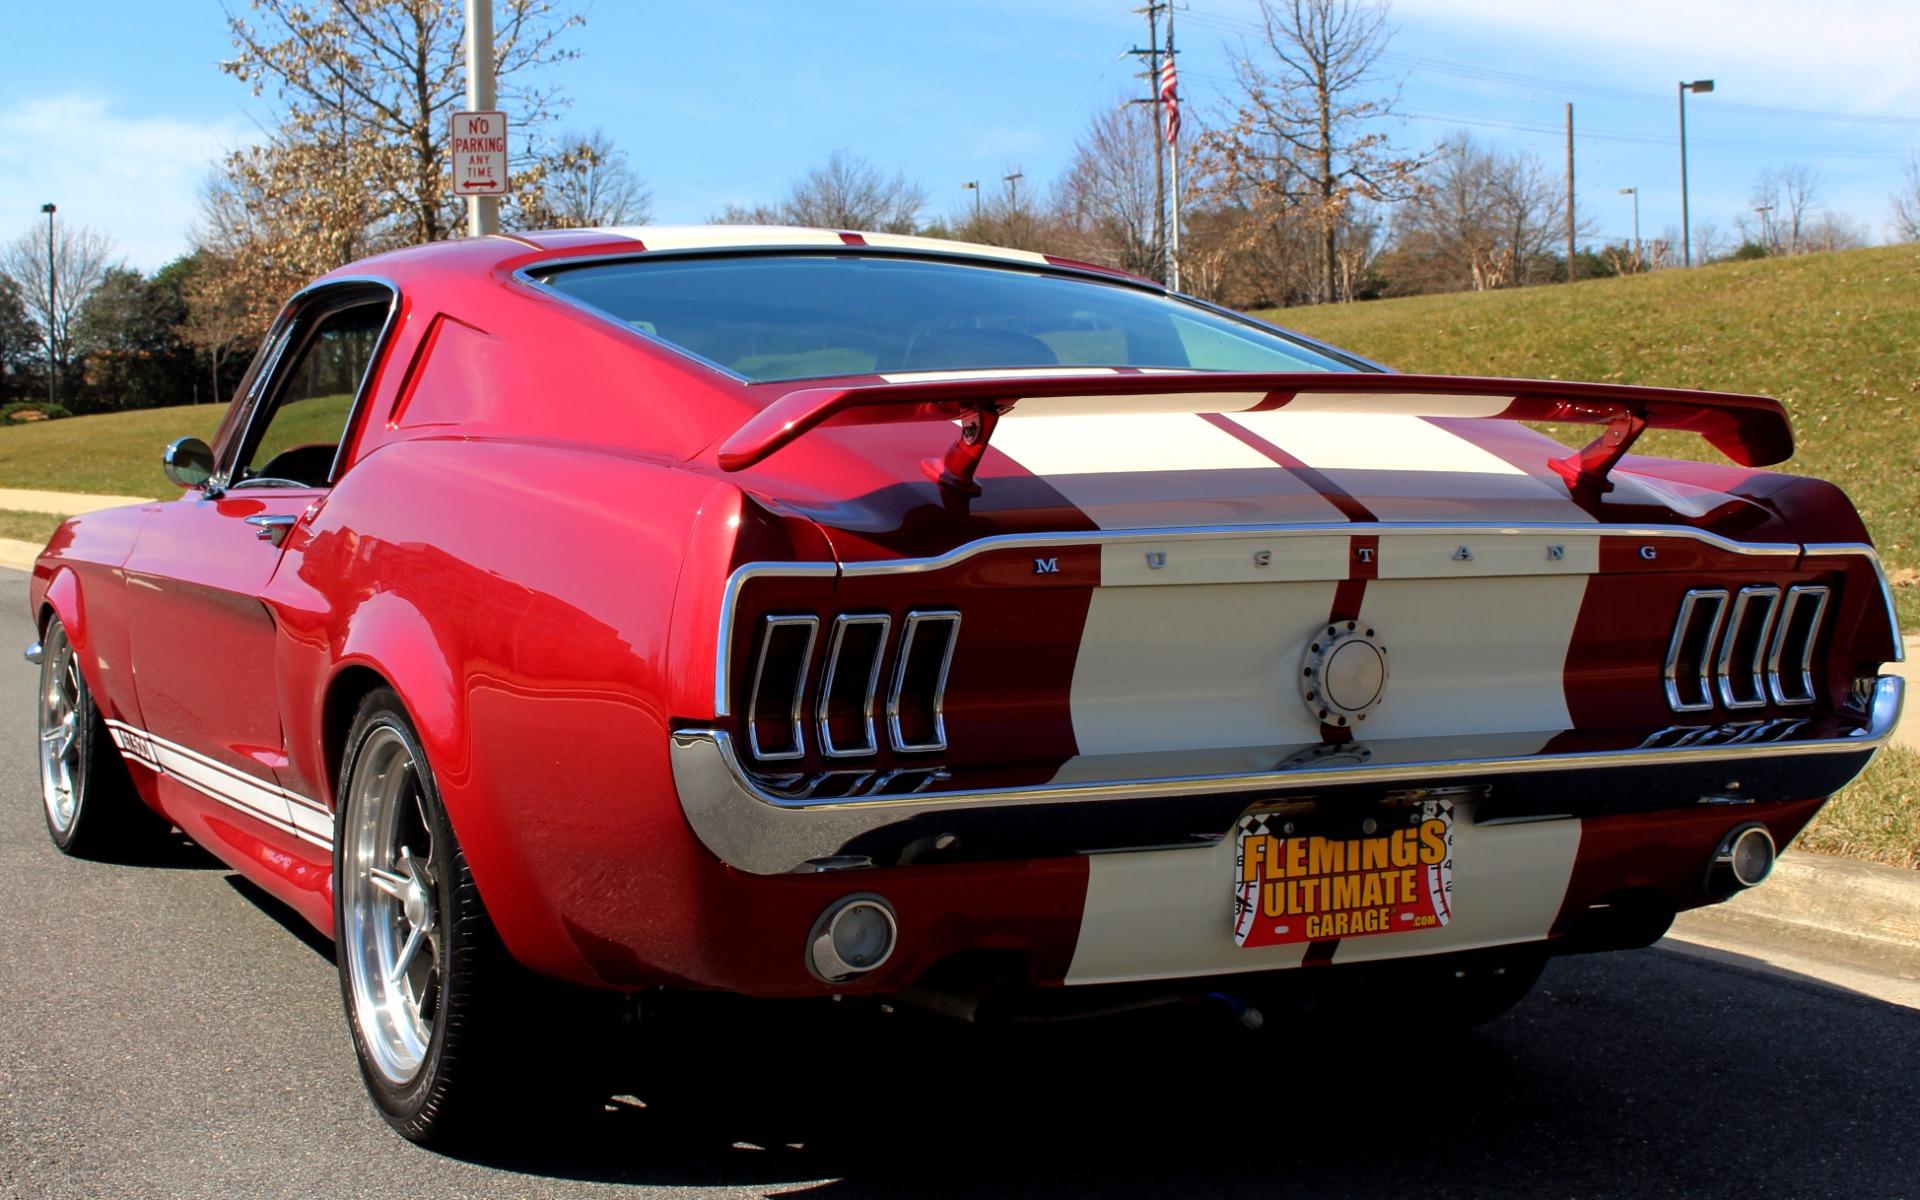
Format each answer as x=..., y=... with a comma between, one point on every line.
x=290, y=812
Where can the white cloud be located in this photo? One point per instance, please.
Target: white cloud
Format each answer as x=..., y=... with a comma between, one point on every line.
x=1856, y=56
x=134, y=176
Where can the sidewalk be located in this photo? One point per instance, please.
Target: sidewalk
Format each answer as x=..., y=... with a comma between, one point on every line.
x=1907, y=733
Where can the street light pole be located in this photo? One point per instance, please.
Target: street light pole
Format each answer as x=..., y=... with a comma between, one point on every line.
x=973, y=185
x=483, y=212
x=1635, y=193
x=53, y=310
x=1686, y=228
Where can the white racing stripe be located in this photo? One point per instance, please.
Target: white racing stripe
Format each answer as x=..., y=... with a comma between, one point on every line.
x=1168, y=914
x=287, y=811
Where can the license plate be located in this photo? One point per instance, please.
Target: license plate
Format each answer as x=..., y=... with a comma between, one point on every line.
x=1297, y=886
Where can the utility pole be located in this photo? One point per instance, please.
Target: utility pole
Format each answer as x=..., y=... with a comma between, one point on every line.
x=1170, y=94
x=1572, y=271
x=53, y=310
x=1013, y=189
x=1686, y=226
x=483, y=212
x=1151, y=53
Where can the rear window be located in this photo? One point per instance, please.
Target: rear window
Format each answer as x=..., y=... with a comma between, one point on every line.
x=799, y=316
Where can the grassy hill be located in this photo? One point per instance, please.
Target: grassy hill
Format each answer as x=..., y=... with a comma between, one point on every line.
x=116, y=454
x=1834, y=336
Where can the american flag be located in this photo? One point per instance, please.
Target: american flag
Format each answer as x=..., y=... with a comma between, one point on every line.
x=1170, y=96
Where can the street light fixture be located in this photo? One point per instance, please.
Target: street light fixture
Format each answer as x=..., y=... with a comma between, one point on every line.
x=1686, y=228
x=1635, y=193
x=53, y=309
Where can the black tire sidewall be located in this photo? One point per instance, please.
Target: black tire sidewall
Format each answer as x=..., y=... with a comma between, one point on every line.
x=410, y=1106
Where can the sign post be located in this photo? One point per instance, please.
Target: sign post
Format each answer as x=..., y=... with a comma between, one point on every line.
x=480, y=167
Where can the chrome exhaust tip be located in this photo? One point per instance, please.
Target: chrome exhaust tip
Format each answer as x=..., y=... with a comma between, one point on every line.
x=1743, y=860
x=853, y=936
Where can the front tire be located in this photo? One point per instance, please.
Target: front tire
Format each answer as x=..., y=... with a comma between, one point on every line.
x=89, y=801
x=447, y=1027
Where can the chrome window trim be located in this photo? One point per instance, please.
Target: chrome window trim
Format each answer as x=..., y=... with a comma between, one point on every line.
x=908, y=631
x=767, y=833
x=263, y=397
x=1670, y=673
x=1757, y=668
x=907, y=566
x=768, y=626
x=841, y=624
x=1796, y=595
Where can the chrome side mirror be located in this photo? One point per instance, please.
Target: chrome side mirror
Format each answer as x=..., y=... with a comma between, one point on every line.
x=188, y=462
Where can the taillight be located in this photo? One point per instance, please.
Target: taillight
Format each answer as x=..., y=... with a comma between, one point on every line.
x=844, y=704
x=779, y=687
x=852, y=680
x=915, y=703
x=1744, y=649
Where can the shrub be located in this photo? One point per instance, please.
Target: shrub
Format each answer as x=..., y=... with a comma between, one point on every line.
x=32, y=410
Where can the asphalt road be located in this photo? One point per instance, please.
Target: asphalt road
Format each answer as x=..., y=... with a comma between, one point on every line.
x=164, y=1032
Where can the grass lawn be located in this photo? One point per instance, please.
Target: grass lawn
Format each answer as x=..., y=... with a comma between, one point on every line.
x=117, y=454
x=1877, y=816
x=28, y=526
x=1836, y=337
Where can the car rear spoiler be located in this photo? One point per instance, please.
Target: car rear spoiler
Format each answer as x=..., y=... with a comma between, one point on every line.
x=1751, y=430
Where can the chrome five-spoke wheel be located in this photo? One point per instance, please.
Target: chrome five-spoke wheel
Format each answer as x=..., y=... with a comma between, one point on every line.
x=62, y=701
x=391, y=909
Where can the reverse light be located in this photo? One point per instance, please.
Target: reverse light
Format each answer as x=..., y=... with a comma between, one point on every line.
x=852, y=937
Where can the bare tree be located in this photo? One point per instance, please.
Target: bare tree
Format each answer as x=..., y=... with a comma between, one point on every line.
x=591, y=185
x=1486, y=218
x=377, y=79
x=1906, y=201
x=845, y=192
x=1305, y=133
x=1780, y=203
x=80, y=258
x=1106, y=198
x=221, y=315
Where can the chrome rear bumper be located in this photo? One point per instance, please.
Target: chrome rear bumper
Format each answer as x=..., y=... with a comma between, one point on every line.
x=759, y=826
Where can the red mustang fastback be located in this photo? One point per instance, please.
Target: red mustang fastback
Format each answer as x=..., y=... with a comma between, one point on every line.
x=793, y=613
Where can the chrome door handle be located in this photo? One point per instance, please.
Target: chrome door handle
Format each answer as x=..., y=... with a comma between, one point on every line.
x=272, y=527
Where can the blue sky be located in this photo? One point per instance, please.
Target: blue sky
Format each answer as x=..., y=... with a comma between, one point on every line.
x=114, y=111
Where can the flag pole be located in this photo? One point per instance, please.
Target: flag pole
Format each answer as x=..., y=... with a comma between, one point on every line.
x=1173, y=157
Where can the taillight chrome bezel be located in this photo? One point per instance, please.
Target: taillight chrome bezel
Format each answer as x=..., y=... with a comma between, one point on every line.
x=1754, y=670
x=910, y=629
x=1681, y=626
x=770, y=625
x=823, y=710
x=1818, y=595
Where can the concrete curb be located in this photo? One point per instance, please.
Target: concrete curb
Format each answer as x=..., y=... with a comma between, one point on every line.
x=1907, y=733
x=18, y=554
x=1860, y=913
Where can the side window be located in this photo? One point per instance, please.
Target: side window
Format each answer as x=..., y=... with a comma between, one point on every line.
x=296, y=436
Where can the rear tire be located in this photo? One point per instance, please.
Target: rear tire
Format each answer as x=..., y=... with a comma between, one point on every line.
x=89, y=801
x=454, y=1038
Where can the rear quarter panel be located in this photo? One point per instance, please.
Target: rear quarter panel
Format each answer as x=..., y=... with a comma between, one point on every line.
x=518, y=597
